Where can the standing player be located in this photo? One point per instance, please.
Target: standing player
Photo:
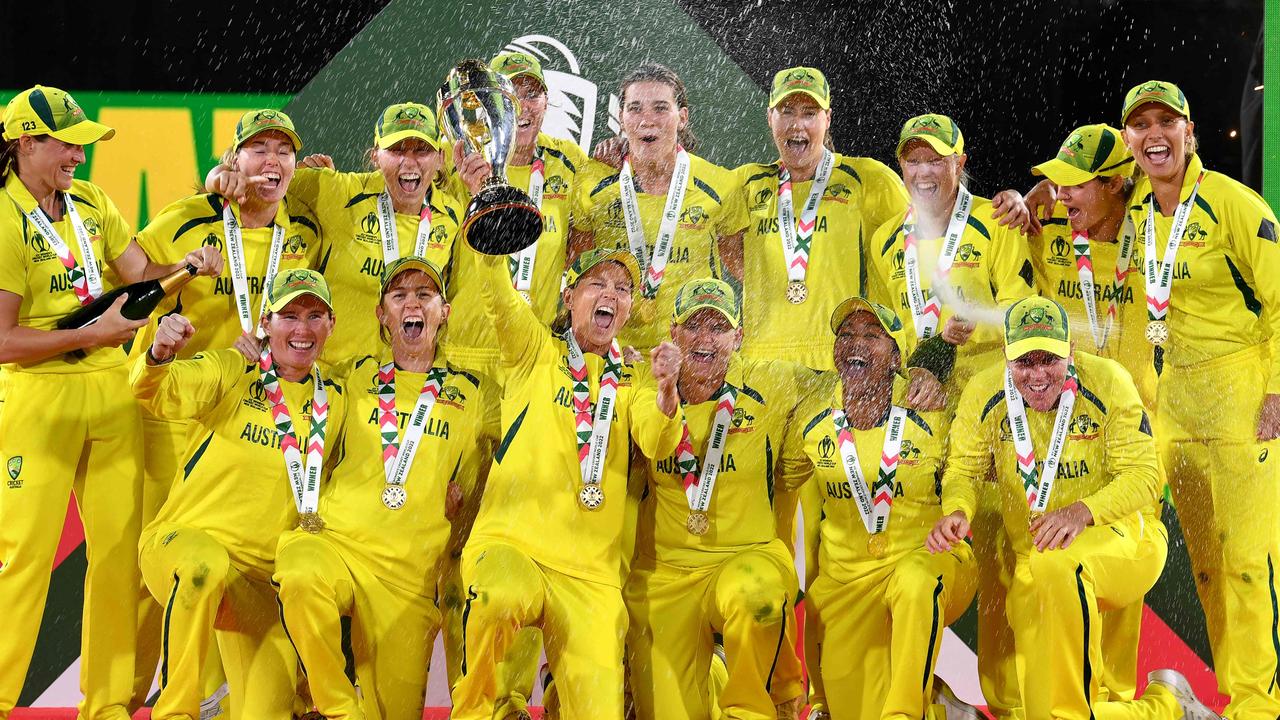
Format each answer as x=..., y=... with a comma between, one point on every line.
x=254, y=458
x=709, y=559
x=880, y=601
x=69, y=423
x=1211, y=265
x=1074, y=472
x=562, y=465
x=418, y=425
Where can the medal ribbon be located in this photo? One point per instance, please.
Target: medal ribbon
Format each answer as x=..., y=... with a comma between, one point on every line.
x=1084, y=265
x=698, y=486
x=926, y=308
x=240, y=274
x=874, y=500
x=397, y=457
x=390, y=235
x=520, y=263
x=593, y=436
x=1039, y=489
x=797, y=235
x=654, y=268
x=86, y=280
x=1159, y=275
x=306, y=491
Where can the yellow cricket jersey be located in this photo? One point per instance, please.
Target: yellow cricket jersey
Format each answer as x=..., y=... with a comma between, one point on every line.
x=531, y=500
x=30, y=269
x=472, y=342
x=1058, y=278
x=862, y=194
x=917, y=505
x=233, y=483
x=1108, y=462
x=403, y=547
x=741, y=509
x=713, y=207
x=1225, y=275
x=210, y=303
x=346, y=204
x=990, y=269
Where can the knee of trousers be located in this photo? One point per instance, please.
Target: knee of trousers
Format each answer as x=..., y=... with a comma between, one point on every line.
x=496, y=599
x=298, y=576
x=760, y=596
x=202, y=574
x=1050, y=571
x=913, y=584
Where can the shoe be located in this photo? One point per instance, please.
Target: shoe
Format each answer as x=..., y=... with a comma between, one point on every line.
x=1174, y=682
x=955, y=708
x=819, y=713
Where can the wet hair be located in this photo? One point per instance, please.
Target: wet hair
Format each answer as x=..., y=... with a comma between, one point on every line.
x=653, y=72
x=8, y=156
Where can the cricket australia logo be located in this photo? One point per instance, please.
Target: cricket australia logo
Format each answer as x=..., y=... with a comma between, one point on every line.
x=571, y=97
x=15, y=469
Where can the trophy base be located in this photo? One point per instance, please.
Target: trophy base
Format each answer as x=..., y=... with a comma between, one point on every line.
x=501, y=220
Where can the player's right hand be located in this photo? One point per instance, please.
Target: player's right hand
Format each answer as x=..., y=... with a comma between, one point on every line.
x=172, y=334
x=113, y=329
x=234, y=184
x=472, y=168
x=947, y=532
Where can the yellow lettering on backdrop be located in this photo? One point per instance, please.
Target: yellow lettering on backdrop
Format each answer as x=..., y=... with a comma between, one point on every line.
x=157, y=143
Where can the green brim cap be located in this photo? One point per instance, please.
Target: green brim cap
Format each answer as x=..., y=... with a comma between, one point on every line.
x=412, y=262
x=512, y=64
x=260, y=121
x=290, y=285
x=706, y=293
x=406, y=120
x=50, y=111
x=1156, y=91
x=594, y=257
x=940, y=131
x=1090, y=151
x=1036, y=323
x=807, y=80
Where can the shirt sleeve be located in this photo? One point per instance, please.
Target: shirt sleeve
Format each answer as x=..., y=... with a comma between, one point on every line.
x=969, y=458
x=656, y=434
x=584, y=210
x=116, y=232
x=184, y=389
x=877, y=285
x=1134, y=482
x=734, y=217
x=520, y=335
x=886, y=197
x=1011, y=275
x=13, y=260
x=1252, y=235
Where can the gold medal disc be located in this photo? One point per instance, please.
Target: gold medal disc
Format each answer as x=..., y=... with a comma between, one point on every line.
x=311, y=522
x=878, y=545
x=645, y=310
x=698, y=523
x=797, y=292
x=591, y=497
x=524, y=294
x=1157, y=332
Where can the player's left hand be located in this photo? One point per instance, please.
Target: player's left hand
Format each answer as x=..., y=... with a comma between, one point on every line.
x=1009, y=208
x=248, y=346
x=1058, y=529
x=924, y=392
x=206, y=260
x=1269, y=418
x=957, y=330
x=664, y=360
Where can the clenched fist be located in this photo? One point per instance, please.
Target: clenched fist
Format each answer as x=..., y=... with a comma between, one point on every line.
x=665, y=363
x=172, y=334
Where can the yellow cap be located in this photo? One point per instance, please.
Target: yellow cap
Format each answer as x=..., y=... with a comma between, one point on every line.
x=701, y=293
x=594, y=257
x=406, y=120
x=512, y=64
x=412, y=262
x=940, y=131
x=1156, y=91
x=50, y=111
x=807, y=80
x=888, y=319
x=1036, y=323
x=290, y=285
x=260, y=121
x=1090, y=151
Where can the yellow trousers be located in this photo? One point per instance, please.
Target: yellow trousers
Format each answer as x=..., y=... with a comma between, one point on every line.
x=997, y=665
x=748, y=598
x=1055, y=605
x=582, y=622
x=1226, y=486
x=879, y=635
x=204, y=597
x=392, y=630
x=64, y=433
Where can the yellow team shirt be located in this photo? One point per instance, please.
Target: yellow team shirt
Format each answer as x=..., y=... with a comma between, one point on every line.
x=404, y=547
x=917, y=503
x=1108, y=462
x=346, y=204
x=741, y=509
x=1058, y=278
x=210, y=303
x=990, y=269
x=712, y=208
x=1225, y=295
x=232, y=482
x=30, y=269
x=536, y=476
x=862, y=194
x=472, y=341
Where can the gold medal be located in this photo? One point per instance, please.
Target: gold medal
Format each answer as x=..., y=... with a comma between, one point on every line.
x=394, y=496
x=797, y=292
x=528, y=300
x=698, y=523
x=1033, y=516
x=645, y=310
x=311, y=522
x=878, y=545
x=1157, y=332
x=591, y=497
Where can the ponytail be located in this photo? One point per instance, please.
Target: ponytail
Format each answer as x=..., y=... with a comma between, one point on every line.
x=8, y=156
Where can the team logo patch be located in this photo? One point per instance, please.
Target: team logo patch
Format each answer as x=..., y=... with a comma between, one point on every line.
x=438, y=236
x=212, y=241
x=967, y=256
x=369, y=224
x=1036, y=320
x=555, y=186
x=826, y=452
x=910, y=454
x=293, y=245
x=693, y=217
x=1083, y=427
x=838, y=192
x=450, y=395
x=743, y=421
x=15, y=469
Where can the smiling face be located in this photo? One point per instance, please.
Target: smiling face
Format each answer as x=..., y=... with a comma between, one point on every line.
x=49, y=161
x=297, y=333
x=412, y=310
x=408, y=168
x=931, y=179
x=707, y=340
x=533, y=107
x=599, y=304
x=1158, y=137
x=651, y=119
x=865, y=355
x=799, y=127
x=1039, y=375
x=271, y=155
x=1094, y=203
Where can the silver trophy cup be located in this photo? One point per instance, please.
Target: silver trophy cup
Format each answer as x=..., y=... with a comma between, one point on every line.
x=478, y=106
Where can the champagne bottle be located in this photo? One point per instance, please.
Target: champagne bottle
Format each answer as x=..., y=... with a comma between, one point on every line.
x=143, y=298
